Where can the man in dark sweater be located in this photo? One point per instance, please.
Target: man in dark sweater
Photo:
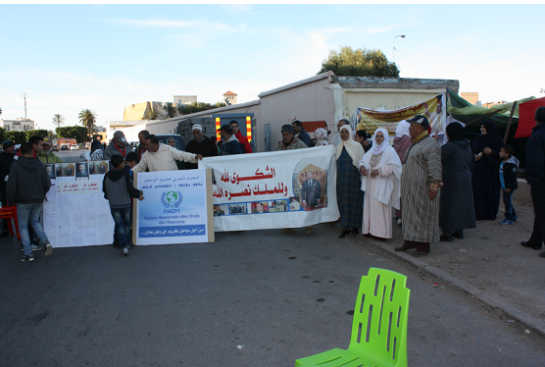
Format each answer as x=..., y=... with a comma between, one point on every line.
x=535, y=175
x=118, y=190
x=230, y=142
x=200, y=145
x=6, y=160
x=27, y=185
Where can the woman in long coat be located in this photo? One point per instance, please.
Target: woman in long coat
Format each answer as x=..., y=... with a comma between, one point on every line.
x=381, y=174
x=455, y=214
x=485, y=172
x=349, y=196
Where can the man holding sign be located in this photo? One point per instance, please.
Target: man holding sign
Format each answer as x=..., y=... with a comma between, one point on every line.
x=162, y=157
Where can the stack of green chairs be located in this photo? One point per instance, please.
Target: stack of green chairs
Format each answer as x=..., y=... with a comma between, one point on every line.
x=379, y=329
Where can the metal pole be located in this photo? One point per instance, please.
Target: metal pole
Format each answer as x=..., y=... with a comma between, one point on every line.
x=509, y=123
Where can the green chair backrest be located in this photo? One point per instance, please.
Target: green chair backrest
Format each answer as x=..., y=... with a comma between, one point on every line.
x=380, y=317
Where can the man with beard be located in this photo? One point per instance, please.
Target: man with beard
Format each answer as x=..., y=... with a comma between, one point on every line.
x=46, y=155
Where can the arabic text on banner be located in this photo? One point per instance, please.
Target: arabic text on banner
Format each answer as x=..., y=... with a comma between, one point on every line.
x=174, y=209
x=285, y=189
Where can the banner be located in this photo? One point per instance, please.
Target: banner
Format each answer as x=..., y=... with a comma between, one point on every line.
x=284, y=189
x=76, y=214
x=176, y=208
x=434, y=109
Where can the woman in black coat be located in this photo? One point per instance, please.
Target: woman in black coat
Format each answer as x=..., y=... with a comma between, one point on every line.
x=455, y=214
x=485, y=172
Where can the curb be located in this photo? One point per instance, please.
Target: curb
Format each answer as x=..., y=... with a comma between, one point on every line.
x=488, y=299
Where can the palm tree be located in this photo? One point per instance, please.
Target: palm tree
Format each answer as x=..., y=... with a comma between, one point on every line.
x=88, y=118
x=58, y=120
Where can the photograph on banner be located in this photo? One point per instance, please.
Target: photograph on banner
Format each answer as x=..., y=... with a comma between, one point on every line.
x=220, y=210
x=294, y=188
x=174, y=209
x=68, y=170
x=82, y=171
x=50, y=169
x=434, y=109
x=99, y=167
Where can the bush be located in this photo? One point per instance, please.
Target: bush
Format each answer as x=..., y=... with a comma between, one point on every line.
x=77, y=132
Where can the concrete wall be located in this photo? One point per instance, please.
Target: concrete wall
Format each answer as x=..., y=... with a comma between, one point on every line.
x=308, y=102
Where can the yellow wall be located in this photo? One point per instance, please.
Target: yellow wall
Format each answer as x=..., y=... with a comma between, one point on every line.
x=135, y=112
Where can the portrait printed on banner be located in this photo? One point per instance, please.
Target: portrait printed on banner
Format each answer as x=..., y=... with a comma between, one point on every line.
x=220, y=210
x=277, y=206
x=260, y=207
x=51, y=173
x=237, y=209
x=294, y=204
x=58, y=170
x=310, y=183
x=68, y=170
x=82, y=171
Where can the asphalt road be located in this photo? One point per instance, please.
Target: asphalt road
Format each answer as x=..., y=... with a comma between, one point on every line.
x=70, y=156
x=255, y=298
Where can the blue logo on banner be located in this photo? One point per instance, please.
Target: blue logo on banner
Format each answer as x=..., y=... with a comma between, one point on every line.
x=171, y=199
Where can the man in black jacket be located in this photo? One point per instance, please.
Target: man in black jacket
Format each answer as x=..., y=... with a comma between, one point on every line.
x=534, y=172
x=200, y=145
x=6, y=159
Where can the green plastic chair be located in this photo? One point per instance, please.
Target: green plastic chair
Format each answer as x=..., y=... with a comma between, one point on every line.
x=379, y=329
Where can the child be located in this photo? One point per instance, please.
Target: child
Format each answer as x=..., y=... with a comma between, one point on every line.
x=119, y=190
x=508, y=180
x=130, y=162
x=361, y=137
x=27, y=185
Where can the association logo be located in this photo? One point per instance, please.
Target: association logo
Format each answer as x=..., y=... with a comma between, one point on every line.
x=171, y=199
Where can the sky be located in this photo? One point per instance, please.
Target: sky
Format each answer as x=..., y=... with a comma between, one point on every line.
x=105, y=57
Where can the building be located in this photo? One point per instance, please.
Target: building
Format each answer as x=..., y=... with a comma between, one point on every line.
x=490, y=104
x=144, y=111
x=180, y=100
x=471, y=97
x=324, y=98
x=19, y=124
x=230, y=98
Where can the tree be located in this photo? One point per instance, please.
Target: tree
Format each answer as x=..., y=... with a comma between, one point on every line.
x=3, y=135
x=58, y=120
x=198, y=107
x=31, y=133
x=80, y=133
x=171, y=110
x=360, y=62
x=88, y=118
x=18, y=137
x=150, y=115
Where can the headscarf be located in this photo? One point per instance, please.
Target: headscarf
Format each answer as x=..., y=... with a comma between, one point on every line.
x=455, y=132
x=491, y=140
x=379, y=148
x=321, y=137
x=403, y=129
x=353, y=148
x=97, y=155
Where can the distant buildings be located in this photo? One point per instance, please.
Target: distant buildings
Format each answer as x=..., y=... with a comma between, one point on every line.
x=144, y=111
x=471, y=97
x=230, y=98
x=180, y=100
x=19, y=124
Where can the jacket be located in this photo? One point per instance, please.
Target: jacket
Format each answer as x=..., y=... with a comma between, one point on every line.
x=295, y=144
x=509, y=173
x=6, y=160
x=140, y=150
x=112, y=150
x=304, y=137
x=206, y=148
x=163, y=160
x=244, y=142
x=535, y=156
x=28, y=181
x=231, y=146
x=118, y=189
x=96, y=145
x=50, y=158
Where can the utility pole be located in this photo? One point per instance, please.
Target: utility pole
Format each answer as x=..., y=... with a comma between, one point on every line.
x=394, y=47
x=24, y=97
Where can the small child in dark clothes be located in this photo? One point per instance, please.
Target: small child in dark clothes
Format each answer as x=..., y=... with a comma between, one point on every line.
x=508, y=180
x=130, y=162
x=118, y=190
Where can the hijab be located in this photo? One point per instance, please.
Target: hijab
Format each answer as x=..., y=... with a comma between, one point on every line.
x=353, y=148
x=403, y=129
x=491, y=140
x=455, y=132
x=379, y=148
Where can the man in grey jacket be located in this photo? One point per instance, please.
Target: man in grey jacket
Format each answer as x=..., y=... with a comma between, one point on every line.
x=27, y=185
x=118, y=146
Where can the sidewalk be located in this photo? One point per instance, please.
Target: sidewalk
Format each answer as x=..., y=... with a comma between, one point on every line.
x=490, y=264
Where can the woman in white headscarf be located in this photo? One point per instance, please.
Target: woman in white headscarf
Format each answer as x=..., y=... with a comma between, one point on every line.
x=349, y=194
x=381, y=175
x=402, y=142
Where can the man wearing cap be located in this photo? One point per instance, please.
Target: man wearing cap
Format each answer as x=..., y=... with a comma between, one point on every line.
x=6, y=160
x=289, y=140
x=243, y=141
x=230, y=142
x=46, y=155
x=420, y=184
x=118, y=146
x=200, y=144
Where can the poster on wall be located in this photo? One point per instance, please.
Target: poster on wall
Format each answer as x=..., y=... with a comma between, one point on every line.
x=177, y=208
x=285, y=189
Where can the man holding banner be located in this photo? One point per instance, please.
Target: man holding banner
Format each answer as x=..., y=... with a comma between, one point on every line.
x=162, y=157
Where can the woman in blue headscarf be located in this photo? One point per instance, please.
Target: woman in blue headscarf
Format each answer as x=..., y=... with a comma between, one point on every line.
x=485, y=172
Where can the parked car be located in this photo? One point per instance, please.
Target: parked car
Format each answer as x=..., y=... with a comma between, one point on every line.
x=74, y=147
x=55, y=148
x=180, y=143
x=65, y=147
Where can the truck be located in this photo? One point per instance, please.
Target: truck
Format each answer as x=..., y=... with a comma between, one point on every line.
x=65, y=143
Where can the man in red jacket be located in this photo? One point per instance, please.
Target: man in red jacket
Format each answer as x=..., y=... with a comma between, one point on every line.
x=243, y=141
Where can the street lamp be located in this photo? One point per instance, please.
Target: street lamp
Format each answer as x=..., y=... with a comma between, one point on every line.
x=394, y=47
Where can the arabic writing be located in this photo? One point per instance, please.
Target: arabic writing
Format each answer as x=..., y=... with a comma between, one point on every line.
x=235, y=179
x=188, y=230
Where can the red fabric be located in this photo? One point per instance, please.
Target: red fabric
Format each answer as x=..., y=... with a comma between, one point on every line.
x=20, y=155
x=243, y=140
x=526, y=117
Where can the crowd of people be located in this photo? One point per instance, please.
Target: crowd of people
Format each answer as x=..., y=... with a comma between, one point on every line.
x=436, y=191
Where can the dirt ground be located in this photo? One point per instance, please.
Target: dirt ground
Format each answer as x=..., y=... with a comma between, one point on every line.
x=491, y=258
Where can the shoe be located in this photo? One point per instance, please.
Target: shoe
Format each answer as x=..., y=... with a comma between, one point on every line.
x=287, y=230
x=308, y=230
x=530, y=244
x=446, y=239
x=355, y=231
x=506, y=221
x=48, y=249
x=344, y=233
x=459, y=235
x=28, y=258
x=542, y=254
x=405, y=247
x=420, y=253
x=515, y=219
x=125, y=252
x=36, y=248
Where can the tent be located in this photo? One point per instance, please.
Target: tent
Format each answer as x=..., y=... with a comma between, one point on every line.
x=526, y=117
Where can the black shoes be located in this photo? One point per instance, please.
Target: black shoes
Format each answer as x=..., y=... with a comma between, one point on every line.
x=420, y=253
x=355, y=231
x=530, y=244
x=459, y=235
x=446, y=239
x=405, y=247
x=345, y=233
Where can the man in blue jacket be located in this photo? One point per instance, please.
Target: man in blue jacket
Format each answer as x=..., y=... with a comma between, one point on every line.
x=301, y=133
x=534, y=172
x=230, y=142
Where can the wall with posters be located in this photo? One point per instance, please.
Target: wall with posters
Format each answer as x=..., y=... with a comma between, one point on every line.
x=177, y=207
x=285, y=189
